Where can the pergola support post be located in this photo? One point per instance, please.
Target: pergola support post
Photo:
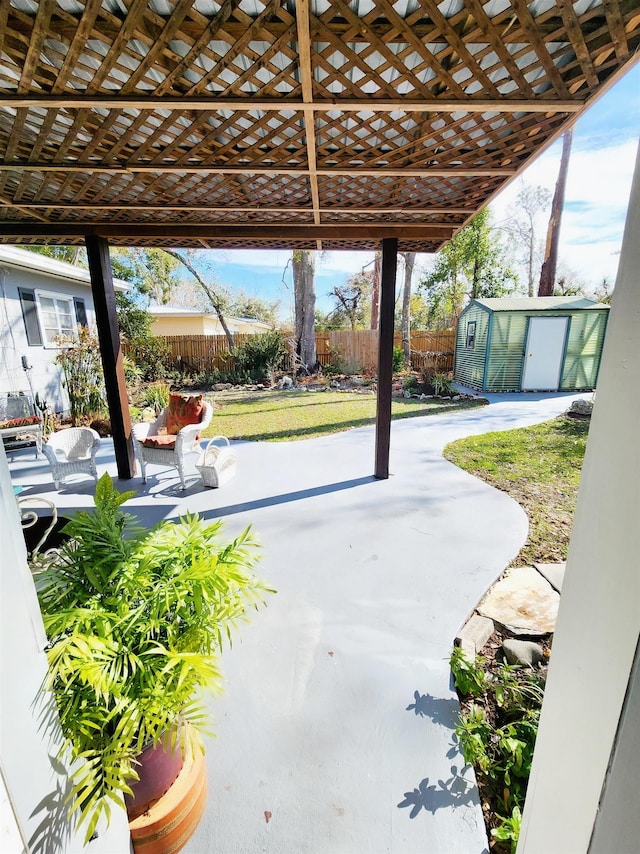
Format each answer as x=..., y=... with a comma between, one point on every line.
x=385, y=355
x=104, y=300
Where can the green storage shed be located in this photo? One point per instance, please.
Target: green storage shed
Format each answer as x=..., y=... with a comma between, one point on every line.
x=530, y=344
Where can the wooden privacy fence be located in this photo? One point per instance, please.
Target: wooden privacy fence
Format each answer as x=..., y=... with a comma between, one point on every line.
x=349, y=350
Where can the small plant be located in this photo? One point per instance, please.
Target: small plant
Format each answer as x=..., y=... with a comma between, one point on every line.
x=136, y=620
x=46, y=414
x=132, y=373
x=469, y=676
x=443, y=384
x=336, y=363
x=509, y=829
x=497, y=734
x=83, y=378
x=410, y=382
x=156, y=396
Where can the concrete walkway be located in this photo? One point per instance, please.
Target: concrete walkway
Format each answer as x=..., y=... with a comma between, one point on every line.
x=335, y=732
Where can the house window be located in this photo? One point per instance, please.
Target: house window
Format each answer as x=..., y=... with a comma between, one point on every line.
x=30, y=317
x=57, y=316
x=471, y=335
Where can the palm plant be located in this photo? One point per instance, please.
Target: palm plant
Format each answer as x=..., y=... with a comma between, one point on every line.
x=135, y=622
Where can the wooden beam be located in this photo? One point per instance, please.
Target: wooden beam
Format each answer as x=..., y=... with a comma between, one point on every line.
x=125, y=206
x=460, y=171
x=385, y=356
x=104, y=301
x=370, y=105
x=306, y=80
x=294, y=231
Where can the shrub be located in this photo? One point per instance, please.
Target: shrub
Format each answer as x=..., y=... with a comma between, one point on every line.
x=398, y=360
x=443, y=384
x=156, y=396
x=260, y=356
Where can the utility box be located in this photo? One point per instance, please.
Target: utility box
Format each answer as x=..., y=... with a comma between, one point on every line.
x=530, y=344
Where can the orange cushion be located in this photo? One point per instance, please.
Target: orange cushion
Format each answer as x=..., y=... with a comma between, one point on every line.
x=27, y=421
x=166, y=442
x=183, y=409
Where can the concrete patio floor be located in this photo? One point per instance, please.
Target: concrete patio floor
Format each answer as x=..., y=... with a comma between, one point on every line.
x=339, y=698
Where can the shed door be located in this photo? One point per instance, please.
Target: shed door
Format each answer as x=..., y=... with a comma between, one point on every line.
x=543, y=356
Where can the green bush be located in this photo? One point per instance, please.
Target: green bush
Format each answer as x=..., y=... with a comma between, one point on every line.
x=260, y=356
x=156, y=396
x=398, y=360
x=443, y=384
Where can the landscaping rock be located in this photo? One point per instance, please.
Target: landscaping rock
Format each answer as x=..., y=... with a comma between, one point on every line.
x=522, y=652
x=474, y=635
x=407, y=394
x=523, y=601
x=285, y=383
x=456, y=397
x=222, y=386
x=581, y=407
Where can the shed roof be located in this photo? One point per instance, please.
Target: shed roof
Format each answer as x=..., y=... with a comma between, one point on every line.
x=286, y=123
x=539, y=303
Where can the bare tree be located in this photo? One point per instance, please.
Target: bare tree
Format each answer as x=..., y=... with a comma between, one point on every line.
x=409, y=262
x=215, y=300
x=375, y=290
x=548, y=272
x=521, y=227
x=305, y=304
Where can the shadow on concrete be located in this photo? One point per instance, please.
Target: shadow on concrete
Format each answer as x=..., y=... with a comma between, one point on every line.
x=286, y=497
x=440, y=710
x=445, y=794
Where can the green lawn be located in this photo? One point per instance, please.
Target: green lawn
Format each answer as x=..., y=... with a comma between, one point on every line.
x=278, y=416
x=540, y=468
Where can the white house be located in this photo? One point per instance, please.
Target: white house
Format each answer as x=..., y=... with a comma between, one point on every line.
x=40, y=299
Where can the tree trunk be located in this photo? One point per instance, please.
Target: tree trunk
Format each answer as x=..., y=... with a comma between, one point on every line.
x=375, y=291
x=548, y=272
x=211, y=294
x=409, y=261
x=305, y=305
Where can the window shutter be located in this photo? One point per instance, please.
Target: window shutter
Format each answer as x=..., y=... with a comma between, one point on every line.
x=81, y=312
x=30, y=316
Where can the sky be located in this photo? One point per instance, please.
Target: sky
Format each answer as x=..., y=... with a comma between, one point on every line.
x=597, y=193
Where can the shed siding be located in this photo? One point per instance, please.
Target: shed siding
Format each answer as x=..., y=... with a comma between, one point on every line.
x=469, y=365
x=584, y=348
x=506, y=351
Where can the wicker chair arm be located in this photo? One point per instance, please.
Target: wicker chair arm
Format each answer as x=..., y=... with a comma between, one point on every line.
x=141, y=431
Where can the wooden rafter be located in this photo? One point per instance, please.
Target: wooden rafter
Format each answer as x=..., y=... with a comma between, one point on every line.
x=253, y=170
x=296, y=117
x=374, y=105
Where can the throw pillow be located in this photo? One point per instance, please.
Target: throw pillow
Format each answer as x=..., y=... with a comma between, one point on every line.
x=166, y=442
x=183, y=409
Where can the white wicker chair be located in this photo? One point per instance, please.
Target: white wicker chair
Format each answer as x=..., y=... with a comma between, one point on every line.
x=72, y=451
x=186, y=442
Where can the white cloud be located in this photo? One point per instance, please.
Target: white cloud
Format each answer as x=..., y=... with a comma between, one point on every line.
x=596, y=199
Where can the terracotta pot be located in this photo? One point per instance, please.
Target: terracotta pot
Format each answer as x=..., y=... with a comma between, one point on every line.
x=158, y=769
x=169, y=823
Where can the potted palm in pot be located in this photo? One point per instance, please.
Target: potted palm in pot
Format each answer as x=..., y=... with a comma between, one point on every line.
x=136, y=620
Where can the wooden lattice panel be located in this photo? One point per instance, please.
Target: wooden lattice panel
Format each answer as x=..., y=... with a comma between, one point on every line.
x=132, y=112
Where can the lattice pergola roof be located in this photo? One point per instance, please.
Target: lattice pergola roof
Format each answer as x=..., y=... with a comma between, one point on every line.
x=285, y=124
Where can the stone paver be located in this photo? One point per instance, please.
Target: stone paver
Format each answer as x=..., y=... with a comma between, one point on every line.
x=474, y=635
x=523, y=601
